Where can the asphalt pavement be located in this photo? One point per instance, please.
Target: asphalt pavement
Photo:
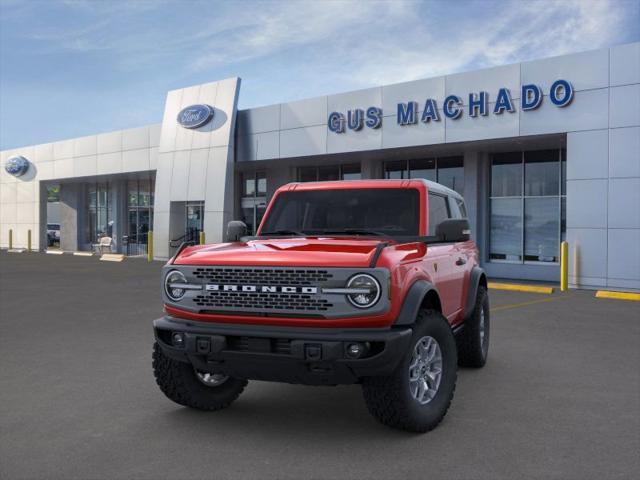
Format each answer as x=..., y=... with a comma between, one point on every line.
x=558, y=398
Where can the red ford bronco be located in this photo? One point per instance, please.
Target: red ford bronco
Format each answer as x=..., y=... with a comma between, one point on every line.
x=373, y=282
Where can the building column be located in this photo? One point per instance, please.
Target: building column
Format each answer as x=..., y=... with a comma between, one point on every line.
x=70, y=208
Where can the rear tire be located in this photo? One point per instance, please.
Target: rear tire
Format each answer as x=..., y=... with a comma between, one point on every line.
x=473, y=341
x=180, y=383
x=392, y=400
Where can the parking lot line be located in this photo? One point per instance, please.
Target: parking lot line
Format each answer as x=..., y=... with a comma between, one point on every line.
x=531, y=302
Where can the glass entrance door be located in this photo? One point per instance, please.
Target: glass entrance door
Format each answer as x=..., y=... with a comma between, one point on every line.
x=139, y=215
x=194, y=222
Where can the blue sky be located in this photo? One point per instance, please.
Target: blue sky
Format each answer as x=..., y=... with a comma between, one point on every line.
x=79, y=67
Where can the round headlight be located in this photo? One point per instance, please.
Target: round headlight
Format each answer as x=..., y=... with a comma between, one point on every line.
x=369, y=292
x=172, y=285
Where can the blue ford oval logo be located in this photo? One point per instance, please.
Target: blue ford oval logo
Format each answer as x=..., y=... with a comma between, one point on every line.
x=17, y=166
x=195, y=116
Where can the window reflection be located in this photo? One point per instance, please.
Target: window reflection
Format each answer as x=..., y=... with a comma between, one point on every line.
x=448, y=171
x=527, y=224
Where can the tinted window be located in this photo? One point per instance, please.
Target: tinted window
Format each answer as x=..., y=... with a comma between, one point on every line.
x=462, y=207
x=541, y=173
x=388, y=211
x=506, y=175
x=396, y=170
x=438, y=211
x=425, y=168
x=451, y=173
x=351, y=172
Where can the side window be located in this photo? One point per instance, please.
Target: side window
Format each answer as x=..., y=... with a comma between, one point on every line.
x=462, y=207
x=438, y=211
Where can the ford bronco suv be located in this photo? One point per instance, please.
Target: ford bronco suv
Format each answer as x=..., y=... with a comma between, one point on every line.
x=373, y=282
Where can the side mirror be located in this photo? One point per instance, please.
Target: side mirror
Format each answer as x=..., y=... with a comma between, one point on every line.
x=236, y=230
x=454, y=230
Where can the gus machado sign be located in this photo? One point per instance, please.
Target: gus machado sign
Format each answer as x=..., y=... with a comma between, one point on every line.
x=560, y=95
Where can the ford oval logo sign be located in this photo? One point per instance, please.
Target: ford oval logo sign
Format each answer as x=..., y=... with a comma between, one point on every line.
x=195, y=116
x=17, y=166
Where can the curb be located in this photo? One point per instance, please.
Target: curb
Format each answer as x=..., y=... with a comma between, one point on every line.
x=112, y=257
x=634, y=297
x=516, y=287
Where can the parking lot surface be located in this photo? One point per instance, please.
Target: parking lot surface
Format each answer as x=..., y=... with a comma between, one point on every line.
x=559, y=397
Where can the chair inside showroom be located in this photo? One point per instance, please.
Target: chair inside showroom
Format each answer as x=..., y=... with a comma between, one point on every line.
x=104, y=243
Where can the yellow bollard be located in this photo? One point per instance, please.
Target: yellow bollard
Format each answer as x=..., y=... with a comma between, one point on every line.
x=201, y=238
x=29, y=240
x=564, y=266
x=150, y=246
x=10, y=239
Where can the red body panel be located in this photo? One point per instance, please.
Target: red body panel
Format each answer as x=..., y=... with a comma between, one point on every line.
x=447, y=266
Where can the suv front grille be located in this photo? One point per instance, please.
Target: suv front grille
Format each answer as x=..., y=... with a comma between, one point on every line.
x=262, y=276
x=265, y=301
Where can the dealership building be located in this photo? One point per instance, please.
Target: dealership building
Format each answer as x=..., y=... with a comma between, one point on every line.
x=543, y=151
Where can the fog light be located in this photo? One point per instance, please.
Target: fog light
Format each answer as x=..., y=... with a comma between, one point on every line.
x=355, y=350
x=178, y=339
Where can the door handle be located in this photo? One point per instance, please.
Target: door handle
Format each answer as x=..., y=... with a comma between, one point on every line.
x=461, y=261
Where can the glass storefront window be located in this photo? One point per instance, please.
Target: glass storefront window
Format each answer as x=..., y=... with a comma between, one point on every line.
x=329, y=173
x=262, y=185
x=194, y=221
x=397, y=170
x=100, y=212
x=527, y=206
x=132, y=193
x=253, y=201
x=249, y=186
x=506, y=229
x=424, y=168
x=448, y=171
x=451, y=173
x=351, y=172
x=140, y=214
x=541, y=173
x=506, y=175
x=541, y=226
x=307, y=174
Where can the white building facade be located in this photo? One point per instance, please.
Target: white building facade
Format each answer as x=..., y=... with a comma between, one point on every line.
x=543, y=151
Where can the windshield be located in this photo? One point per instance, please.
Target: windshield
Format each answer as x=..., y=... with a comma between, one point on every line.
x=374, y=211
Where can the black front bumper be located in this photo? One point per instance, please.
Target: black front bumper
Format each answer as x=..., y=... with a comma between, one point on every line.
x=316, y=356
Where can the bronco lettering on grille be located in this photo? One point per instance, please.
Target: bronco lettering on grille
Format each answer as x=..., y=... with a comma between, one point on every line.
x=214, y=287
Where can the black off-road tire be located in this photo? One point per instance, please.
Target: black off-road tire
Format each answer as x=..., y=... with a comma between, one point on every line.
x=178, y=381
x=472, y=351
x=389, y=399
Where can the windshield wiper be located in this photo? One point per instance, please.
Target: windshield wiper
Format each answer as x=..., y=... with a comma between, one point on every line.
x=354, y=231
x=284, y=232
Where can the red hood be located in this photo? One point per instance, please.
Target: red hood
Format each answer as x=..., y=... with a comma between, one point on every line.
x=295, y=252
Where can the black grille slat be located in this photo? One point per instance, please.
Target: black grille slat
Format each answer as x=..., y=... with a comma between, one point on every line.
x=261, y=300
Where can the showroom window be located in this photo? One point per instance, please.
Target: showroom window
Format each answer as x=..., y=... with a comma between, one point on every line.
x=527, y=206
x=253, y=201
x=329, y=172
x=139, y=214
x=448, y=171
x=100, y=212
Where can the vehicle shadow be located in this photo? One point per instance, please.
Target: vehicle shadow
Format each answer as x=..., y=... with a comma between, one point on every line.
x=282, y=411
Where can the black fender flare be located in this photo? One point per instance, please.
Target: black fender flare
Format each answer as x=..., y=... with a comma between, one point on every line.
x=413, y=301
x=476, y=278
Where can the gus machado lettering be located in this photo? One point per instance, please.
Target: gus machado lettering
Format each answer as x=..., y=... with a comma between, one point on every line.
x=560, y=95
